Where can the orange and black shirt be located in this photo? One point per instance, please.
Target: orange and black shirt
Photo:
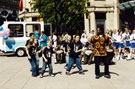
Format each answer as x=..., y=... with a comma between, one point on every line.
x=99, y=44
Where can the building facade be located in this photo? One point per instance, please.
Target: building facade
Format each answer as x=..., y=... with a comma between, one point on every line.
x=101, y=13
x=27, y=14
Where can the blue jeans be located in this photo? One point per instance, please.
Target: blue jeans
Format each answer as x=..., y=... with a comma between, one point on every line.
x=34, y=67
x=37, y=60
x=44, y=68
x=71, y=62
x=67, y=60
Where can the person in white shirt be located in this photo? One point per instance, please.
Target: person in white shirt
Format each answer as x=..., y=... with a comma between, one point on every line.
x=54, y=39
x=91, y=34
x=84, y=34
x=65, y=37
x=114, y=39
x=132, y=48
x=126, y=37
x=84, y=40
x=121, y=46
x=115, y=43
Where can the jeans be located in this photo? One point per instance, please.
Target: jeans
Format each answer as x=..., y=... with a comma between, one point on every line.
x=44, y=68
x=67, y=60
x=37, y=61
x=97, y=63
x=34, y=67
x=71, y=62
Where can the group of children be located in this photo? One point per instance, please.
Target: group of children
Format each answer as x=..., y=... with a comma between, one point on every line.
x=124, y=43
x=72, y=49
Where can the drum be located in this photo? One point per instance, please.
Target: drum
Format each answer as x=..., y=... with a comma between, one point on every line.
x=59, y=51
x=88, y=52
x=109, y=50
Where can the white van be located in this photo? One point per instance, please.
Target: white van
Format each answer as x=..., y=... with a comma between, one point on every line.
x=19, y=34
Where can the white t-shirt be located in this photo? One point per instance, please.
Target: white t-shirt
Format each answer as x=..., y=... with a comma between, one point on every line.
x=54, y=38
x=84, y=41
x=119, y=39
x=114, y=37
x=126, y=36
x=132, y=37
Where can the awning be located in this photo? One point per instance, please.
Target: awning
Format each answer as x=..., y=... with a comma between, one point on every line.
x=126, y=5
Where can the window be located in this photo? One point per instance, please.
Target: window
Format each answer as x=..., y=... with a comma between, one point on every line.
x=16, y=30
x=32, y=28
x=47, y=29
x=88, y=4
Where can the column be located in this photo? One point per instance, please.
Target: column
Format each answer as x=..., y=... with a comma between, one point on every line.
x=116, y=16
x=92, y=21
x=111, y=20
x=86, y=24
x=107, y=21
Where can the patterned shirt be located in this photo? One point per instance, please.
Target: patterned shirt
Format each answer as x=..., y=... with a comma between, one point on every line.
x=100, y=43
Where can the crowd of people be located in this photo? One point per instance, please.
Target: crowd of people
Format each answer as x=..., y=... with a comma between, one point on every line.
x=75, y=50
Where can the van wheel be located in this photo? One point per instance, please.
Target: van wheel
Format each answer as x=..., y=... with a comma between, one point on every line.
x=20, y=52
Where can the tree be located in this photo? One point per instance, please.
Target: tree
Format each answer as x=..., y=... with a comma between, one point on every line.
x=62, y=13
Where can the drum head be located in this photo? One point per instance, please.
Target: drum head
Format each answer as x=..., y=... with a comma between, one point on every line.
x=88, y=52
x=109, y=50
x=59, y=52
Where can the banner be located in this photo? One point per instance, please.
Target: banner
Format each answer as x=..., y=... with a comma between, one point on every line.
x=21, y=5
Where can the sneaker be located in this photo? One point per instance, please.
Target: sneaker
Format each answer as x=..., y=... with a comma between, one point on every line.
x=52, y=75
x=108, y=76
x=41, y=76
x=121, y=58
x=67, y=73
x=97, y=77
x=118, y=57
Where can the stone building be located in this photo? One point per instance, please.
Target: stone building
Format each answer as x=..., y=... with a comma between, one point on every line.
x=102, y=13
x=27, y=14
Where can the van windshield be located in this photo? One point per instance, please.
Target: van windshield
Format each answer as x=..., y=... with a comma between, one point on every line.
x=16, y=30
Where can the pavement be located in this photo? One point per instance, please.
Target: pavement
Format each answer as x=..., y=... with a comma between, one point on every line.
x=15, y=74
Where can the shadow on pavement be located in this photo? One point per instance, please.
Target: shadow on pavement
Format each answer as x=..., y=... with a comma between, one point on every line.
x=54, y=74
x=102, y=74
x=114, y=73
x=9, y=55
x=75, y=72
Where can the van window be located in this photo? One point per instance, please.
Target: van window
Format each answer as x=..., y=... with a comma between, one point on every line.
x=30, y=28
x=16, y=30
x=47, y=29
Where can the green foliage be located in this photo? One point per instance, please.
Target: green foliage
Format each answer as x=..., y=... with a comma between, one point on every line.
x=62, y=13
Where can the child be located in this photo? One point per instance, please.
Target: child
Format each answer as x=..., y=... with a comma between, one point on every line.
x=121, y=46
x=132, y=48
x=66, y=49
x=47, y=59
x=74, y=55
x=31, y=52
